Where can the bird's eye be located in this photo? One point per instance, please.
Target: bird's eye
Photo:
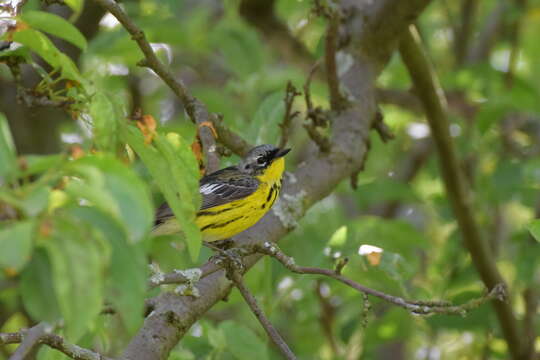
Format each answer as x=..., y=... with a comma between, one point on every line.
x=261, y=160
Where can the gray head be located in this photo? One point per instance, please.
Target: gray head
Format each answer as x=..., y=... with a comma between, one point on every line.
x=260, y=157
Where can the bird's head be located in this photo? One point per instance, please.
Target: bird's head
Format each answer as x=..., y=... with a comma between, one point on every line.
x=264, y=159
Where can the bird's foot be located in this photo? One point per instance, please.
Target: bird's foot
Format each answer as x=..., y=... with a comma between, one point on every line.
x=230, y=257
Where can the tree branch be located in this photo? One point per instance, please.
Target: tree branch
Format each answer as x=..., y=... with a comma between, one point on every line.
x=289, y=115
x=196, y=110
x=257, y=311
x=331, y=42
x=371, y=45
x=431, y=95
x=463, y=34
x=414, y=306
x=315, y=116
x=31, y=340
x=51, y=340
x=487, y=37
x=229, y=138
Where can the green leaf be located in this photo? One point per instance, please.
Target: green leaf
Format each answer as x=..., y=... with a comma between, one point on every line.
x=16, y=245
x=36, y=164
x=385, y=189
x=8, y=169
x=242, y=342
x=70, y=70
x=534, y=229
x=175, y=170
x=37, y=290
x=338, y=237
x=75, y=5
x=36, y=201
x=103, y=121
x=126, y=283
x=241, y=48
x=216, y=337
x=43, y=46
x=40, y=44
x=55, y=25
x=264, y=127
x=78, y=257
x=116, y=190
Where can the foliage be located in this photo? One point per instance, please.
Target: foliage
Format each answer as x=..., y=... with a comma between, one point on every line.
x=75, y=230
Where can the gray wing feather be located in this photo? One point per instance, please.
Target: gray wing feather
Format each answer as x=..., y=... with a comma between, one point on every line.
x=234, y=189
x=218, y=188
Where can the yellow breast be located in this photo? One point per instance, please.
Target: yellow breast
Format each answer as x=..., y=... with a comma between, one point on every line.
x=224, y=221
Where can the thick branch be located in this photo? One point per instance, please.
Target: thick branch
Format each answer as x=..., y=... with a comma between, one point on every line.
x=431, y=95
x=229, y=138
x=369, y=49
x=331, y=43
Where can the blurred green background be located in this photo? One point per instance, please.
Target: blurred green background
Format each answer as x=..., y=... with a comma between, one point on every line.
x=73, y=227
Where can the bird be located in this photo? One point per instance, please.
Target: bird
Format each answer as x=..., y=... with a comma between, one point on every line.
x=234, y=198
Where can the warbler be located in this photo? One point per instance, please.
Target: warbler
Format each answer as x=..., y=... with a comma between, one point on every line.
x=233, y=198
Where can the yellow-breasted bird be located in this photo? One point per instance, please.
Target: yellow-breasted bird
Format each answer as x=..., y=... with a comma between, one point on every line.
x=234, y=198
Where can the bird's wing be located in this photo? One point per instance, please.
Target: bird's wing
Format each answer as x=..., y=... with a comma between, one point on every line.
x=218, y=188
x=224, y=186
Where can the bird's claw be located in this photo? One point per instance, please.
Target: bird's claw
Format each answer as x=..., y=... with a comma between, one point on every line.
x=231, y=257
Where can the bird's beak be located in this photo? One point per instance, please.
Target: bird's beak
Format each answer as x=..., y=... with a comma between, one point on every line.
x=281, y=153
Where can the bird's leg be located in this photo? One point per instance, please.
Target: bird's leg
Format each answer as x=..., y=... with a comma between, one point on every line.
x=219, y=244
x=225, y=253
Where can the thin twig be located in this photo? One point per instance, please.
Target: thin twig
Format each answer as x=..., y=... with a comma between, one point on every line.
x=414, y=306
x=515, y=39
x=54, y=341
x=382, y=129
x=460, y=197
x=289, y=115
x=31, y=340
x=315, y=116
x=327, y=319
x=257, y=311
x=195, y=109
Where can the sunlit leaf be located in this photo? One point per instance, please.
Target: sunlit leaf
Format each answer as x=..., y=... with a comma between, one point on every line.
x=75, y=5
x=55, y=25
x=40, y=44
x=175, y=170
x=534, y=229
x=339, y=237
